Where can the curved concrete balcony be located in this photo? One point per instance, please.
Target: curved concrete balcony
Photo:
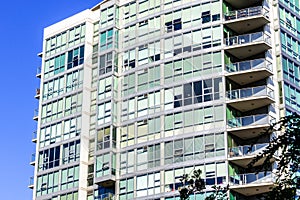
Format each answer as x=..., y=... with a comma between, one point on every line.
x=39, y=72
x=32, y=159
x=245, y=20
x=36, y=114
x=34, y=137
x=249, y=71
x=252, y=183
x=243, y=155
x=250, y=98
x=249, y=126
x=37, y=93
x=31, y=182
x=247, y=45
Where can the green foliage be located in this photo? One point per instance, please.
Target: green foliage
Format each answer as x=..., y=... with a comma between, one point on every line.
x=220, y=193
x=196, y=184
x=285, y=149
x=191, y=184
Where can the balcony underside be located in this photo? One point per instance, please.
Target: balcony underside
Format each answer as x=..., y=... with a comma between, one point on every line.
x=253, y=189
x=247, y=50
x=249, y=76
x=250, y=103
x=105, y=181
x=243, y=4
x=245, y=25
x=248, y=132
x=243, y=161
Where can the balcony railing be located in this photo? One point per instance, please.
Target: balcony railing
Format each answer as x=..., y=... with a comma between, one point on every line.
x=34, y=136
x=250, y=120
x=107, y=196
x=246, y=149
x=32, y=159
x=31, y=182
x=106, y=144
x=249, y=65
x=247, y=12
x=37, y=91
x=36, y=113
x=247, y=38
x=250, y=92
x=38, y=71
x=252, y=178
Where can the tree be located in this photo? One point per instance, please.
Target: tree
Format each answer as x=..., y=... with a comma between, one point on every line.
x=195, y=184
x=285, y=149
x=191, y=184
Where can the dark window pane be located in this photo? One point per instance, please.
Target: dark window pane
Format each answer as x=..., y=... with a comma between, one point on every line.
x=198, y=88
x=207, y=83
x=187, y=90
x=177, y=24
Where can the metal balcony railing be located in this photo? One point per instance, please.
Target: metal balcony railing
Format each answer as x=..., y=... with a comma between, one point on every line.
x=32, y=159
x=36, y=113
x=106, y=144
x=250, y=92
x=249, y=65
x=250, y=120
x=31, y=181
x=38, y=71
x=107, y=196
x=247, y=12
x=247, y=38
x=252, y=178
x=245, y=150
x=34, y=135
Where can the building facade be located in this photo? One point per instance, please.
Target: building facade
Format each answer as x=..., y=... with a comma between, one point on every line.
x=133, y=94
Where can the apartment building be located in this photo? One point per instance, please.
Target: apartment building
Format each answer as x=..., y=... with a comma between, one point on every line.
x=133, y=94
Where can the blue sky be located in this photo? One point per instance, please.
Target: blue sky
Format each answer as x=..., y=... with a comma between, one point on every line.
x=21, y=30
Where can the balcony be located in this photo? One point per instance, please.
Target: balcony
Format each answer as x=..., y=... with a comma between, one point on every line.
x=40, y=54
x=105, y=176
x=31, y=182
x=249, y=126
x=249, y=71
x=243, y=155
x=247, y=45
x=106, y=180
x=246, y=150
x=34, y=137
x=250, y=98
x=252, y=183
x=245, y=20
x=243, y=4
x=106, y=144
x=32, y=159
x=107, y=196
x=37, y=93
x=39, y=72
x=36, y=114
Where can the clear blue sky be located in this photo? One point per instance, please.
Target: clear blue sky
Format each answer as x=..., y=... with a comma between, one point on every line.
x=21, y=30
